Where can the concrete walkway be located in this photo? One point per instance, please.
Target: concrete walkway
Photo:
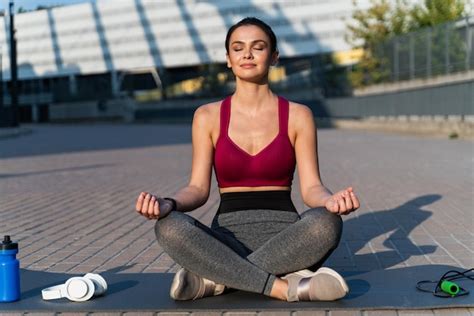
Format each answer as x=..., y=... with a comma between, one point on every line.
x=68, y=193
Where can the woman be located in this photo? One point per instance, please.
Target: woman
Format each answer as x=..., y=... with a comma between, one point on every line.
x=257, y=241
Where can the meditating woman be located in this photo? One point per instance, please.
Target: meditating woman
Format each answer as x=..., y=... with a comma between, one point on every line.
x=257, y=242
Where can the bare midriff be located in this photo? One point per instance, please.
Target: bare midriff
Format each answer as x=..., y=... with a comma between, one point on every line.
x=246, y=189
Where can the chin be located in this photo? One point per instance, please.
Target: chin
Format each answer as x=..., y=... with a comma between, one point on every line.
x=255, y=78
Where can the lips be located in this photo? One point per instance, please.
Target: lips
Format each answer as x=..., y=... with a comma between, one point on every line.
x=248, y=66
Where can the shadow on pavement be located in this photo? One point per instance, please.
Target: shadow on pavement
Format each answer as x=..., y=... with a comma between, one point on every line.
x=14, y=175
x=359, y=231
x=59, y=139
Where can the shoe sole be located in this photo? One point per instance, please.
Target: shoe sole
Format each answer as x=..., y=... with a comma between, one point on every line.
x=177, y=283
x=331, y=272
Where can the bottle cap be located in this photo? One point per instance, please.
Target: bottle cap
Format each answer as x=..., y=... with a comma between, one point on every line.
x=7, y=244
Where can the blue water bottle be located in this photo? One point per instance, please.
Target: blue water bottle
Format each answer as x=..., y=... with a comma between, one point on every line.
x=9, y=271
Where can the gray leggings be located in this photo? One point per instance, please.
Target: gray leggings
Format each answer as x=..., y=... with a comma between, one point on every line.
x=248, y=249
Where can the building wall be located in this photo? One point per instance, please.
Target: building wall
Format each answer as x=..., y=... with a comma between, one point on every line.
x=107, y=35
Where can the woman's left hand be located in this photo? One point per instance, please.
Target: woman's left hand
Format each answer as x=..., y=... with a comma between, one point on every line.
x=343, y=202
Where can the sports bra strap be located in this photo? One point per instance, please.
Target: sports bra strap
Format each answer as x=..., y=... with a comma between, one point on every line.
x=224, y=119
x=283, y=108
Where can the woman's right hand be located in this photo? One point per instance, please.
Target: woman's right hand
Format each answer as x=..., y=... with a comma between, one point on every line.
x=152, y=207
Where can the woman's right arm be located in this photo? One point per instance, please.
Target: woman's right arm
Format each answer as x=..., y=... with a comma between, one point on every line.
x=196, y=193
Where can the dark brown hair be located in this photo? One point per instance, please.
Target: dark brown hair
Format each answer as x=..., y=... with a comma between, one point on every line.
x=257, y=22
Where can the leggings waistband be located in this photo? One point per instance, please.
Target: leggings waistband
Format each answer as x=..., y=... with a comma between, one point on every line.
x=269, y=200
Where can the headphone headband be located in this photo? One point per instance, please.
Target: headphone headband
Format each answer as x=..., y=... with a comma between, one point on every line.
x=77, y=289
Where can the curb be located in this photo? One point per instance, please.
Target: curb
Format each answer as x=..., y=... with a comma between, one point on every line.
x=11, y=132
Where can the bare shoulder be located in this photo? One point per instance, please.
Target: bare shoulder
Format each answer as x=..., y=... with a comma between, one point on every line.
x=208, y=108
x=207, y=113
x=300, y=115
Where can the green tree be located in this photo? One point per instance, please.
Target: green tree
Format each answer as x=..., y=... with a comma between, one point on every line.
x=434, y=12
x=382, y=20
x=386, y=19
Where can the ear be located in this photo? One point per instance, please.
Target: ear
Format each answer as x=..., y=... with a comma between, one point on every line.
x=275, y=57
x=228, y=60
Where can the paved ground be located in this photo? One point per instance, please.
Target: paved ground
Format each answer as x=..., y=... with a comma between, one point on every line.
x=68, y=192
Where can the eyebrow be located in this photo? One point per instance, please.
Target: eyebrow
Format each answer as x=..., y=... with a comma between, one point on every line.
x=253, y=42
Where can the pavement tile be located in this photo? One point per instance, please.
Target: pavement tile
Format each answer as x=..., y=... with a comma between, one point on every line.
x=451, y=312
x=309, y=313
x=61, y=267
x=345, y=313
x=156, y=270
x=380, y=313
x=83, y=269
x=443, y=260
x=415, y=312
x=466, y=262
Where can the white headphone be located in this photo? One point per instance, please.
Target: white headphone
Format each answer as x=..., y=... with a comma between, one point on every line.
x=77, y=289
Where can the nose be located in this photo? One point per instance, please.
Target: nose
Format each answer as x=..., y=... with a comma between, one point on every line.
x=248, y=54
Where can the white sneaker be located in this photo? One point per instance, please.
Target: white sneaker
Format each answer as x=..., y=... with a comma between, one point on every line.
x=189, y=286
x=323, y=285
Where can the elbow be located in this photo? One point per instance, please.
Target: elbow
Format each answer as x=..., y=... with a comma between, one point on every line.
x=202, y=195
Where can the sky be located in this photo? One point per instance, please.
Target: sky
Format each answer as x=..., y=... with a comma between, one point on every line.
x=32, y=4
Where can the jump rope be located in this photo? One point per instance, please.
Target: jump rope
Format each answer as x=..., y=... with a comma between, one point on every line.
x=445, y=287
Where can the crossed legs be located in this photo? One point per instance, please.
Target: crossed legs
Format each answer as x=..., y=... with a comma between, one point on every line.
x=307, y=243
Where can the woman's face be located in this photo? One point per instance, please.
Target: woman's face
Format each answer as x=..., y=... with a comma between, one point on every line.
x=250, y=53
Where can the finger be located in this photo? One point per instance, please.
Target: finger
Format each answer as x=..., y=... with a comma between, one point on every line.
x=348, y=201
x=342, y=205
x=151, y=206
x=146, y=201
x=138, y=205
x=156, y=209
x=333, y=205
x=355, y=201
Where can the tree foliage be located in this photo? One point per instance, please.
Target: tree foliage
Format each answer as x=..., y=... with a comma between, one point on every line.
x=434, y=12
x=387, y=18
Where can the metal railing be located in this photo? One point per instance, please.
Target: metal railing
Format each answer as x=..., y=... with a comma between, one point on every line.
x=441, y=50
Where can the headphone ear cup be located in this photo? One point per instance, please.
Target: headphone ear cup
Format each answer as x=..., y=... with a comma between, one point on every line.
x=79, y=289
x=99, y=283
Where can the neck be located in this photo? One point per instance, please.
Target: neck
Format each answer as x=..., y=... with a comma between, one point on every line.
x=251, y=97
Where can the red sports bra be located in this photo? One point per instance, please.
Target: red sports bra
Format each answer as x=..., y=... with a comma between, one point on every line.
x=274, y=165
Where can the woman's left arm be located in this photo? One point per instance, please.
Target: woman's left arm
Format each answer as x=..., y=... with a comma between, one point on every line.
x=313, y=192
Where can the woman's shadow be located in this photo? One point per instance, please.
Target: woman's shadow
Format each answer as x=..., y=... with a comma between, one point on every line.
x=401, y=221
